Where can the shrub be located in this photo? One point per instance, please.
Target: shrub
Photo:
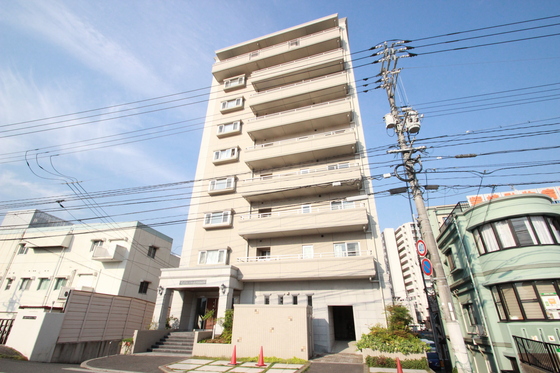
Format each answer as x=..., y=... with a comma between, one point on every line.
x=387, y=362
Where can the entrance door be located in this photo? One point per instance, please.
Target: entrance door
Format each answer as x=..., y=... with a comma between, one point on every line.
x=343, y=320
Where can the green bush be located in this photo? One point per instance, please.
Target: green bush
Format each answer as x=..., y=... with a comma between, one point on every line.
x=387, y=362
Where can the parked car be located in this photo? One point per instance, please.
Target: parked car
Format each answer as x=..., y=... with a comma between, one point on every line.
x=433, y=360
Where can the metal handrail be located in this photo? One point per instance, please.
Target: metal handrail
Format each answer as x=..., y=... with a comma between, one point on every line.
x=301, y=138
x=275, y=46
x=250, y=259
x=543, y=355
x=301, y=172
x=312, y=209
x=324, y=77
x=268, y=116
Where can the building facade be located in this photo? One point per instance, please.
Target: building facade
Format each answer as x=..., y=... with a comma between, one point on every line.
x=42, y=257
x=407, y=281
x=282, y=211
x=502, y=259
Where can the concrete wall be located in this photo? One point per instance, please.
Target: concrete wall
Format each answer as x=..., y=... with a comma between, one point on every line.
x=34, y=333
x=144, y=339
x=282, y=331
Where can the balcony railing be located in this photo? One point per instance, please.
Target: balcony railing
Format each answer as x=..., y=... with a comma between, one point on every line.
x=280, y=45
x=250, y=259
x=335, y=167
x=268, y=116
x=301, y=138
x=292, y=212
x=324, y=77
x=542, y=355
x=459, y=207
x=287, y=65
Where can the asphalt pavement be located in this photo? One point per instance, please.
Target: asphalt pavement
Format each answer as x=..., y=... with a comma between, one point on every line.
x=141, y=363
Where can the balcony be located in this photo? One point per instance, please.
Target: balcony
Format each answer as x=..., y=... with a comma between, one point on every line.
x=112, y=253
x=301, y=120
x=320, y=266
x=294, y=71
x=302, y=149
x=304, y=93
x=300, y=222
x=277, y=54
x=332, y=178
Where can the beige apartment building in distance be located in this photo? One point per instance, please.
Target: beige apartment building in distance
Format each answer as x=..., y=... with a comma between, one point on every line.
x=282, y=209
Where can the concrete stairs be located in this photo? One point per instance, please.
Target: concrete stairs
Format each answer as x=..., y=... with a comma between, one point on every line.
x=175, y=343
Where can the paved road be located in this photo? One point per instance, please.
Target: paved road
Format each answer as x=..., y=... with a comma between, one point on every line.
x=133, y=363
x=20, y=366
x=336, y=368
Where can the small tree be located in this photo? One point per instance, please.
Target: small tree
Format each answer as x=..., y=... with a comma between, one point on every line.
x=399, y=318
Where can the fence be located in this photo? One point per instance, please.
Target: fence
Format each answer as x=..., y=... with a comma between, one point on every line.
x=539, y=354
x=5, y=327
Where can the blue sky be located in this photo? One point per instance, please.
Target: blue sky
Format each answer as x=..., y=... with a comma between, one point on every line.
x=63, y=57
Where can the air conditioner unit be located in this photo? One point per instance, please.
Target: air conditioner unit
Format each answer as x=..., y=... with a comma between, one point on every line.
x=64, y=292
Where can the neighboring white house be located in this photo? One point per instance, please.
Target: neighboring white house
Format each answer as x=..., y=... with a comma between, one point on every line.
x=42, y=257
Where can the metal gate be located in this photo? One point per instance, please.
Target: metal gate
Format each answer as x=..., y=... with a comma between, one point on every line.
x=5, y=327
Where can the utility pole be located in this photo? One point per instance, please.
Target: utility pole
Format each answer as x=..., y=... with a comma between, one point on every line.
x=406, y=121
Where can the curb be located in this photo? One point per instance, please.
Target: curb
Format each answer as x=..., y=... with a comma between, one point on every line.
x=85, y=365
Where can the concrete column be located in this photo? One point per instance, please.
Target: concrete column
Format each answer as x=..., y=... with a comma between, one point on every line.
x=225, y=302
x=161, y=308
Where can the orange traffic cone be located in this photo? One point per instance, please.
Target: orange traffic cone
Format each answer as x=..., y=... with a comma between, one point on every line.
x=399, y=366
x=233, y=360
x=261, y=363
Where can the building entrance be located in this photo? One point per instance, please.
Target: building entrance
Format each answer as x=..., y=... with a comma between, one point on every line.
x=343, y=321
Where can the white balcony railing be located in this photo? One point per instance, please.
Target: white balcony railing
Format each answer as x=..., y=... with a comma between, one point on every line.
x=301, y=138
x=288, y=86
x=310, y=107
x=250, y=259
x=335, y=167
x=283, y=44
x=308, y=210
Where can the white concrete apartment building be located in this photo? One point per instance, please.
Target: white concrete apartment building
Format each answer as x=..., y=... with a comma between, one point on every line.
x=42, y=257
x=282, y=211
x=406, y=275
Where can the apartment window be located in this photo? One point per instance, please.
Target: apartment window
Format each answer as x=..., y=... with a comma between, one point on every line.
x=468, y=309
x=307, y=251
x=43, y=284
x=517, y=232
x=230, y=105
x=25, y=283
x=143, y=289
x=342, y=205
x=95, y=244
x=152, y=251
x=310, y=300
x=527, y=300
x=59, y=283
x=223, y=184
x=267, y=299
x=263, y=253
x=217, y=219
x=9, y=283
x=294, y=299
x=265, y=213
x=451, y=261
x=22, y=249
x=212, y=257
x=305, y=209
x=229, y=128
x=225, y=155
x=293, y=43
x=342, y=249
x=280, y=299
x=237, y=82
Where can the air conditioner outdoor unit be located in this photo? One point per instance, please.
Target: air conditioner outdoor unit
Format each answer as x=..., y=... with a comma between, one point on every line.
x=64, y=292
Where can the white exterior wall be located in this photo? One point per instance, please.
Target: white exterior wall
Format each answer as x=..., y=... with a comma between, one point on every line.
x=76, y=264
x=298, y=132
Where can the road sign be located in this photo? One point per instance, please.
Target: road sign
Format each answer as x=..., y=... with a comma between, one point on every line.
x=426, y=266
x=421, y=248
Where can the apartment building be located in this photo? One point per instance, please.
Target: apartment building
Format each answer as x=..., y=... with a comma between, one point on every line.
x=43, y=257
x=282, y=212
x=407, y=280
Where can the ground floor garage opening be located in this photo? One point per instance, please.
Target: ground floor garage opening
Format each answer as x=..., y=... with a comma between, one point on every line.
x=343, y=323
